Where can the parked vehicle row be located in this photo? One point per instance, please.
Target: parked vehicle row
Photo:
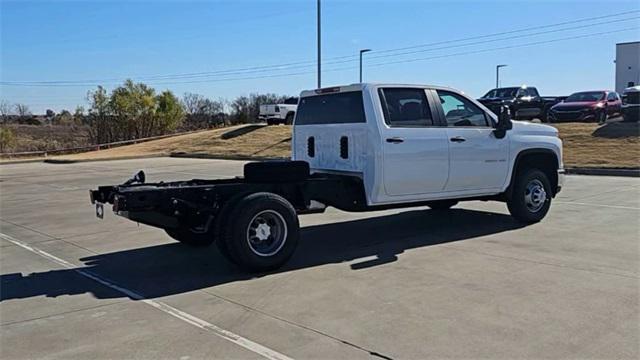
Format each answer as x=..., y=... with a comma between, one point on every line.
x=525, y=103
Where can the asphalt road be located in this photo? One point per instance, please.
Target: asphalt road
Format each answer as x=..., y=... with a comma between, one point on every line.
x=469, y=283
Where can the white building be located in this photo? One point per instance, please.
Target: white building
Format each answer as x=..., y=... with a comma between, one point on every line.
x=627, y=65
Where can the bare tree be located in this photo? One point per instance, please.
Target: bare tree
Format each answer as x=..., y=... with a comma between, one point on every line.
x=5, y=110
x=22, y=110
x=202, y=112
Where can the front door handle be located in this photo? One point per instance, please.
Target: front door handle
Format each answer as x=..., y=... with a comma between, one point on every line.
x=458, y=139
x=395, y=140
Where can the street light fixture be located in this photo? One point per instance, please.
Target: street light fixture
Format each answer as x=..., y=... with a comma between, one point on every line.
x=498, y=74
x=362, y=52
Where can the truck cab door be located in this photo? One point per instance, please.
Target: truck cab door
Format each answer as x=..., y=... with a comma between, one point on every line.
x=478, y=160
x=529, y=103
x=415, y=157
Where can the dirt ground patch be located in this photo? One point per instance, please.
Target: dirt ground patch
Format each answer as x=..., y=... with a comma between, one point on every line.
x=615, y=144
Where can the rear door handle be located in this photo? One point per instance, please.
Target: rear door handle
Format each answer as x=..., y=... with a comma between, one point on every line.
x=395, y=140
x=458, y=139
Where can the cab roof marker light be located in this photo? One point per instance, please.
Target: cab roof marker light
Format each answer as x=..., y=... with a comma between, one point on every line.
x=328, y=90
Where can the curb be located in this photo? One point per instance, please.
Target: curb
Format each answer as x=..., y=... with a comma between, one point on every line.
x=26, y=161
x=71, y=161
x=225, y=157
x=627, y=172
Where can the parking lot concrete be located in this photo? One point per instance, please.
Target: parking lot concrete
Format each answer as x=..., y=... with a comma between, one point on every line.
x=401, y=284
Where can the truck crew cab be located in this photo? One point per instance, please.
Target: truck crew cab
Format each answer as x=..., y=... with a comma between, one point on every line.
x=359, y=147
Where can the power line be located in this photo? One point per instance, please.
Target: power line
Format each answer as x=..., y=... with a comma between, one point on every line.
x=372, y=65
x=504, y=47
x=306, y=64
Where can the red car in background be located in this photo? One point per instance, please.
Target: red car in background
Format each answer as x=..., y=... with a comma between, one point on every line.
x=587, y=106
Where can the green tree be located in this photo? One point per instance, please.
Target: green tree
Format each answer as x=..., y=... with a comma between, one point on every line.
x=169, y=112
x=133, y=105
x=102, y=128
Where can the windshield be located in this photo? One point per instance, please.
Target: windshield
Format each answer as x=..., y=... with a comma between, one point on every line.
x=586, y=96
x=502, y=93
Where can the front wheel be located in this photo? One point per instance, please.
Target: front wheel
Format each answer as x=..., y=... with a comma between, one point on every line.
x=264, y=232
x=190, y=237
x=531, y=196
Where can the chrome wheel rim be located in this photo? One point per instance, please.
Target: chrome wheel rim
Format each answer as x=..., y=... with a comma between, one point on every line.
x=266, y=233
x=535, y=196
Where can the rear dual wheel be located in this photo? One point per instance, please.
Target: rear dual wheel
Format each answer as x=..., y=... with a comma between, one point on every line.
x=261, y=232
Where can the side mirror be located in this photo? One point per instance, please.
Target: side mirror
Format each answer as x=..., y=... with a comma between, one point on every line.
x=504, y=122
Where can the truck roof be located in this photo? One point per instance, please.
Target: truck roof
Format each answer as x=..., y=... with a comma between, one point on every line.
x=362, y=86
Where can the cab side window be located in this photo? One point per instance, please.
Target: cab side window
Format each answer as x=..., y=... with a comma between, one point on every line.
x=612, y=96
x=459, y=111
x=405, y=107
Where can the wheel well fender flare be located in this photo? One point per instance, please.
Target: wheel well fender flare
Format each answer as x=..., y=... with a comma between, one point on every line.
x=522, y=158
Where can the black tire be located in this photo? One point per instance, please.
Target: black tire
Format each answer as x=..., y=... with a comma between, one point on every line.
x=289, y=119
x=527, y=204
x=190, y=237
x=270, y=122
x=258, y=215
x=602, y=117
x=442, y=204
x=220, y=228
x=544, y=117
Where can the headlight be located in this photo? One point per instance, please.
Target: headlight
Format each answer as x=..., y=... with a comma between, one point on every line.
x=599, y=105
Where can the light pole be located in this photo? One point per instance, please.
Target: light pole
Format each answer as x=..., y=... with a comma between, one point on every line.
x=319, y=56
x=498, y=74
x=362, y=52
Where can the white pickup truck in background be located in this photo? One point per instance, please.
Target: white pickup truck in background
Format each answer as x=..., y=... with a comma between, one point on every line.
x=359, y=147
x=283, y=113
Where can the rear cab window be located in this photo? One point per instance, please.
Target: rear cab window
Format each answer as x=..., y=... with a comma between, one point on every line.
x=336, y=108
x=405, y=107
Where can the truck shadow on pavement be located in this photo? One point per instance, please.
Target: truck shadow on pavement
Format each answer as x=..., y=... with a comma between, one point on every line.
x=174, y=268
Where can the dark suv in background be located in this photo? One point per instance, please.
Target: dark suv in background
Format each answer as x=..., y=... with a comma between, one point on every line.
x=524, y=102
x=587, y=106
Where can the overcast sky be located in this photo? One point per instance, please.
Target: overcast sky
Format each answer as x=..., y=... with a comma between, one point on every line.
x=230, y=48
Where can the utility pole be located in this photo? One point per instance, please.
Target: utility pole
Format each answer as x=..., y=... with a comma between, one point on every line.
x=319, y=49
x=362, y=52
x=498, y=74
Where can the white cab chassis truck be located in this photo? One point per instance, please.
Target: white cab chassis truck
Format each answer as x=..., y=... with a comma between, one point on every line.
x=359, y=147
